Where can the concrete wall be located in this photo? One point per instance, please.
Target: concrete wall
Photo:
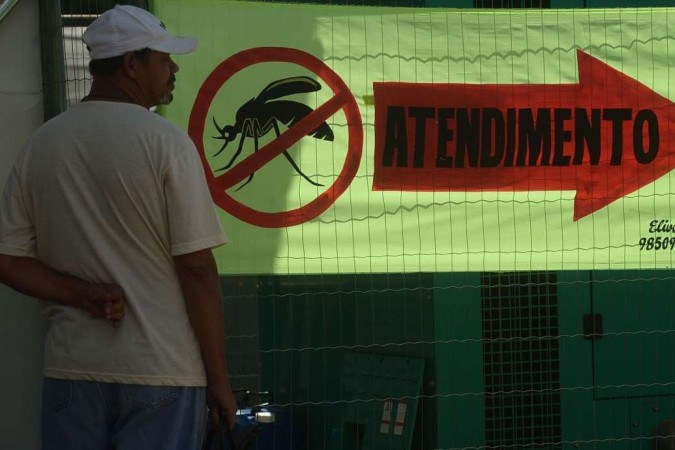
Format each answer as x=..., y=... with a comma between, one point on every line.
x=21, y=326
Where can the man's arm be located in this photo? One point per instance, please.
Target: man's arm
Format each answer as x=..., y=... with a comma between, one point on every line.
x=32, y=277
x=198, y=277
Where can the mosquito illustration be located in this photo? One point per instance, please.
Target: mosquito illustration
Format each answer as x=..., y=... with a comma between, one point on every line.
x=262, y=114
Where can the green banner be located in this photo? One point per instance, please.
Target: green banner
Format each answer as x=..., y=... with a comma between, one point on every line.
x=357, y=139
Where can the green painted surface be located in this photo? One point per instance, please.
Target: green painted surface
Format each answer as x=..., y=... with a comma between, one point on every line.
x=634, y=356
x=460, y=412
x=330, y=317
x=576, y=376
x=308, y=324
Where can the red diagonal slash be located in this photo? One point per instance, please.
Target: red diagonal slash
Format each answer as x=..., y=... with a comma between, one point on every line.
x=273, y=149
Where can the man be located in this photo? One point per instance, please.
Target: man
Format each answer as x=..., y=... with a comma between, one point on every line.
x=106, y=217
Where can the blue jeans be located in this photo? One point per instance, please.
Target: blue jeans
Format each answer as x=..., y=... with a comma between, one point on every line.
x=86, y=415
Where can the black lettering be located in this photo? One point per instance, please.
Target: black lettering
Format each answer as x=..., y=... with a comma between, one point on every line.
x=468, y=132
x=521, y=137
x=646, y=116
x=617, y=116
x=560, y=115
x=421, y=115
x=510, y=137
x=395, y=138
x=493, y=125
x=445, y=135
x=534, y=139
x=652, y=226
x=586, y=132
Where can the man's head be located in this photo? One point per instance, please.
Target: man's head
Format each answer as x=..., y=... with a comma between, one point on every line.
x=135, y=42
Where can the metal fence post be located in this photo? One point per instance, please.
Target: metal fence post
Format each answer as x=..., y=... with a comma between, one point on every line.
x=53, y=72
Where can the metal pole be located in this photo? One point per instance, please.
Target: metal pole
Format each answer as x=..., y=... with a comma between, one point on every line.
x=53, y=68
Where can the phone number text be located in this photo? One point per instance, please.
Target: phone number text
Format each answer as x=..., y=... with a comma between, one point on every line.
x=657, y=243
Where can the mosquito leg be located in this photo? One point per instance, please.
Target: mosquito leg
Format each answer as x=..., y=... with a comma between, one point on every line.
x=222, y=136
x=221, y=148
x=297, y=169
x=248, y=180
x=292, y=161
x=255, y=149
x=237, y=153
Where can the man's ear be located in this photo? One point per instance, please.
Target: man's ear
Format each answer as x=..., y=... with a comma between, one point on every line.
x=130, y=65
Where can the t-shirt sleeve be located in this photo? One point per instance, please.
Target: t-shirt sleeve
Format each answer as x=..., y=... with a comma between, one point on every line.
x=193, y=223
x=17, y=228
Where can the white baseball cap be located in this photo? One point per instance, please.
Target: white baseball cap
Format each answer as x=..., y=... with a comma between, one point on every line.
x=126, y=29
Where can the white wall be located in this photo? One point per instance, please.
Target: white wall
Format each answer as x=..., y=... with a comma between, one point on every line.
x=21, y=327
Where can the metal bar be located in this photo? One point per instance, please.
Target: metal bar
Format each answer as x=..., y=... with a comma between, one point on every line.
x=53, y=67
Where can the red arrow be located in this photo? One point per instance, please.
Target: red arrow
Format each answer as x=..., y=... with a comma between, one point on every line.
x=604, y=137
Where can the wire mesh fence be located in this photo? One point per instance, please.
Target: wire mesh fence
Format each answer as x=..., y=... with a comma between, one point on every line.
x=463, y=359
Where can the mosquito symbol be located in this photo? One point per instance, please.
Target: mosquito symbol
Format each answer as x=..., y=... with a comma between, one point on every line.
x=262, y=114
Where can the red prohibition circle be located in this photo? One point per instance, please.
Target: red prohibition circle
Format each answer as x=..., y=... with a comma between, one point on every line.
x=342, y=100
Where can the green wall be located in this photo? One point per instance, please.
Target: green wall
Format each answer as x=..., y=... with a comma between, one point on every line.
x=309, y=323
x=610, y=392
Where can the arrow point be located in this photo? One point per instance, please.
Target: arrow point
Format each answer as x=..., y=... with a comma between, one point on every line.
x=609, y=87
x=592, y=71
x=585, y=205
x=583, y=63
x=599, y=80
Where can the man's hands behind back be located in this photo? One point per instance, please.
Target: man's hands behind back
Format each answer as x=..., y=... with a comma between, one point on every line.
x=104, y=300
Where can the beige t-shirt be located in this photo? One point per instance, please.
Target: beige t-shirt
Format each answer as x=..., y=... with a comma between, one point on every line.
x=109, y=192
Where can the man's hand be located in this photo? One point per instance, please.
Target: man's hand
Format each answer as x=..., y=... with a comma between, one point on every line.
x=220, y=400
x=104, y=300
x=32, y=277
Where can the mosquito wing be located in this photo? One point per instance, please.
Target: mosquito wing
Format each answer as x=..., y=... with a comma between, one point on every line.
x=287, y=86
